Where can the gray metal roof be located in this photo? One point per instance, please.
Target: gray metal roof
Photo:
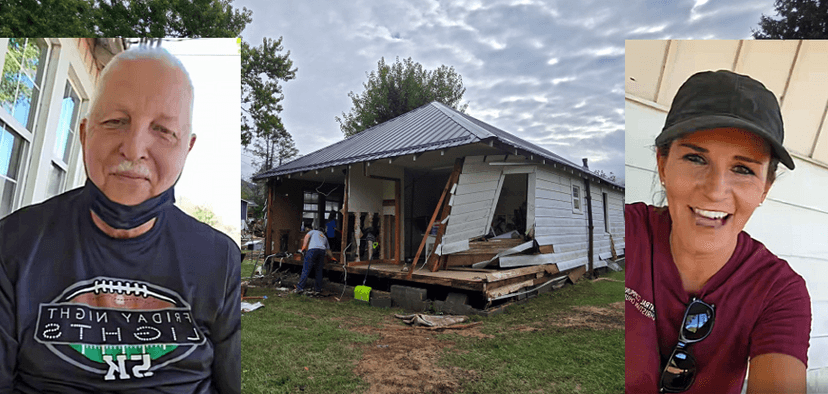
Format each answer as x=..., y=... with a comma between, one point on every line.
x=433, y=126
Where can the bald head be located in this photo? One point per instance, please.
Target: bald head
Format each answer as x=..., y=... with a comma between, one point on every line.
x=143, y=53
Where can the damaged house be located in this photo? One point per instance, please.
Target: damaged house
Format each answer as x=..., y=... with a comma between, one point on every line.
x=471, y=207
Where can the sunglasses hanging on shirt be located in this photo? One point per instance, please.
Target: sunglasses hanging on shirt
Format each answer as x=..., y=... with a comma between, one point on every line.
x=680, y=371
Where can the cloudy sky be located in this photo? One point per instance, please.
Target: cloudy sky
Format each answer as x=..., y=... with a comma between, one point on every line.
x=550, y=72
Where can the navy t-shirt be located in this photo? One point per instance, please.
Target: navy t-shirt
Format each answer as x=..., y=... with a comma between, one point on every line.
x=762, y=306
x=83, y=312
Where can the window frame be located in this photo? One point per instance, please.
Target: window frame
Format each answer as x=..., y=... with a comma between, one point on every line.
x=577, y=203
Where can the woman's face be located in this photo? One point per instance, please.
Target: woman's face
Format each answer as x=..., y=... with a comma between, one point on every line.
x=714, y=179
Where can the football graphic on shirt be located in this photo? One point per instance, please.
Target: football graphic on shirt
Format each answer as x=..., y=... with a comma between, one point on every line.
x=119, y=328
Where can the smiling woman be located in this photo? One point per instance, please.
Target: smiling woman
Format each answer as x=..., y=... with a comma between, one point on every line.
x=704, y=300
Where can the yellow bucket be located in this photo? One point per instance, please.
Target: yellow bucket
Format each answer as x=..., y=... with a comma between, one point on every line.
x=362, y=293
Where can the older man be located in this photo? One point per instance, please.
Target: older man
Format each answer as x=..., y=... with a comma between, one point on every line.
x=110, y=287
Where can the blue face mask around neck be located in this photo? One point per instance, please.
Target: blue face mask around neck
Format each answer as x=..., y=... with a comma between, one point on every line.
x=124, y=217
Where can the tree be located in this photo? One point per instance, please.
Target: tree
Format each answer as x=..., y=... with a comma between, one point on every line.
x=799, y=19
x=272, y=150
x=601, y=173
x=122, y=18
x=256, y=193
x=262, y=69
x=398, y=88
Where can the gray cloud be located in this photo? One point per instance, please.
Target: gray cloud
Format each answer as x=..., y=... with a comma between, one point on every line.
x=550, y=72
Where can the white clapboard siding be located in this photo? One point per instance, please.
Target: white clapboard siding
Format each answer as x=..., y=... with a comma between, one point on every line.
x=470, y=207
x=563, y=239
x=477, y=188
x=479, y=177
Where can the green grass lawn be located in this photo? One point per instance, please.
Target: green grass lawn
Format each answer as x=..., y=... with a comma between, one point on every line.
x=292, y=333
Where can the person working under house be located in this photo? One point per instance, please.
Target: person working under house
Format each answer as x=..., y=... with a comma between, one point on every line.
x=315, y=246
x=705, y=302
x=110, y=287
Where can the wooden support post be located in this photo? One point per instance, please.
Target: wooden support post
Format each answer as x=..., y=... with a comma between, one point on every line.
x=269, y=220
x=434, y=261
x=398, y=219
x=357, y=232
x=379, y=233
x=370, y=224
x=430, y=224
x=345, y=231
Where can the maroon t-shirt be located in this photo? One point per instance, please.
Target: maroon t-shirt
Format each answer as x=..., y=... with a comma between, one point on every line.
x=762, y=306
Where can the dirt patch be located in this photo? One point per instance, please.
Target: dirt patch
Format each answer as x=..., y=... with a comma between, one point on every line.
x=405, y=361
x=599, y=318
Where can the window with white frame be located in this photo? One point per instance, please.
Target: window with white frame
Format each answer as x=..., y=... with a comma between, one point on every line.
x=20, y=85
x=11, y=148
x=24, y=63
x=65, y=136
x=576, y=199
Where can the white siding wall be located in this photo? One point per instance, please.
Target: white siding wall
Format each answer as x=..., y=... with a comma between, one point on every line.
x=549, y=205
x=559, y=225
x=473, y=200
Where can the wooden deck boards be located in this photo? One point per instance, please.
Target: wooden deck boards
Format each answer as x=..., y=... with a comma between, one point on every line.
x=486, y=281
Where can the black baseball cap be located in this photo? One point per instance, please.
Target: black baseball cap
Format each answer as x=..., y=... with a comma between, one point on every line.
x=717, y=99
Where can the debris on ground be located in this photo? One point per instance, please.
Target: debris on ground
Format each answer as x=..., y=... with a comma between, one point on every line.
x=248, y=307
x=419, y=319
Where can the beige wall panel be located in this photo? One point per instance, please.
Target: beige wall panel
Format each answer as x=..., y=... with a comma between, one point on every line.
x=767, y=61
x=821, y=150
x=643, y=61
x=804, y=102
x=689, y=57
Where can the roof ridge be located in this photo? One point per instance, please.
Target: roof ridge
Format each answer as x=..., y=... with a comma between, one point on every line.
x=461, y=121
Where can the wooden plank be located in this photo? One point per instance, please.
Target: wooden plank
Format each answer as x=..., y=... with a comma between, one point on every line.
x=547, y=249
x=577, y=274
x=455, y=174
x=511, y=273
x=503, y=290
x=455, y=260
x=269, y=221
x=345, y=231
x=437, y=209
x=398, y=220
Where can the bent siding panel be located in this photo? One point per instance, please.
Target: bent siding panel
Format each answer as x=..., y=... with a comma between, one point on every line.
x=477, y=188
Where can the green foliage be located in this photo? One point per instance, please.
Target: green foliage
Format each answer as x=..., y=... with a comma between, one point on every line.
x=256, y=193
x=262, y=69
x=398, y=88
x=47, y=18
x=205, y=215
x=122, y=18
x=799, y=19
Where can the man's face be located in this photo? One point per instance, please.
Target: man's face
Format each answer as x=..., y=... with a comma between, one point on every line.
x=136, y=138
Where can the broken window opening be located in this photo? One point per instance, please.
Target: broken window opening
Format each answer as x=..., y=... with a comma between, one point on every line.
x=510, y=210
x=310, y=211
